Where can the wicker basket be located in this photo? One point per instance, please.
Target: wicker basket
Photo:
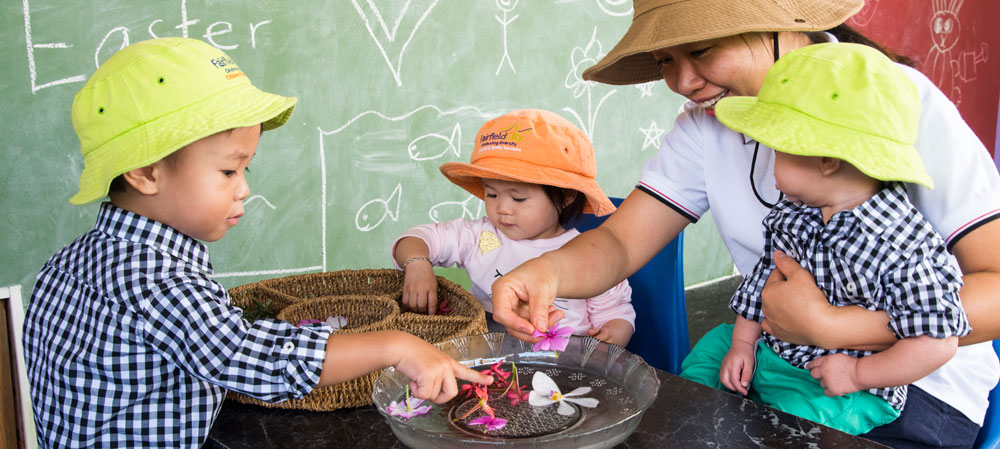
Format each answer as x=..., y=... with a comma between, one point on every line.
x=370, y=300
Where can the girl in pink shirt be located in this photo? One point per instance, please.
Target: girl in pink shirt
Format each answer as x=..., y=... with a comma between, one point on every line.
x=536, y=172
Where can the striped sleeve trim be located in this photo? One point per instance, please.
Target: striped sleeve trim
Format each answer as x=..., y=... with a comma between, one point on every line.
x=971, y=226
x=669, y=202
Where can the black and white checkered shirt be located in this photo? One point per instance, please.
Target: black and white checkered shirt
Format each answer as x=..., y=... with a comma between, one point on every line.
x=129, y=342
x=881, y=255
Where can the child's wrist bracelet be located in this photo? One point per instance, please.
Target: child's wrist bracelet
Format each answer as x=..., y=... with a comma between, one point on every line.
x=415, y=259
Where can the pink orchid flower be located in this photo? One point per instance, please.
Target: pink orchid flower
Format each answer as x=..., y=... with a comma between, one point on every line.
x=555, y=339
x=519, y=395
x=496, y=372
x=491, y=422
x=408, y=408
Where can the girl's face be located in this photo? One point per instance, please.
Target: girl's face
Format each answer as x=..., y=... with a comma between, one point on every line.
x=521, y=211
x=705, y=72
x=202, y=188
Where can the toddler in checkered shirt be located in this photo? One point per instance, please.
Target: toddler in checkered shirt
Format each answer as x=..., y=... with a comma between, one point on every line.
x=128, y=340
x=842, y=120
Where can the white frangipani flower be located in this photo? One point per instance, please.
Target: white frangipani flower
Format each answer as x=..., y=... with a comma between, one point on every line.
x=546, y=392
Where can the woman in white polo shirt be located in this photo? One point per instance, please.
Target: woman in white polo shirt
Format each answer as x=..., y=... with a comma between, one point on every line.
x=708, y=49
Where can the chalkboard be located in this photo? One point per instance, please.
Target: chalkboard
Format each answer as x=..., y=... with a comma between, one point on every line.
x=388, y=91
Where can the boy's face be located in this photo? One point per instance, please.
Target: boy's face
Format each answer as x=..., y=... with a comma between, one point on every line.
x=202, y=186
x=799, y=178
x=521, y=211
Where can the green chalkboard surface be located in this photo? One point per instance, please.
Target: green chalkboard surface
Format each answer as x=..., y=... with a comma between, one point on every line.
x=388, y=91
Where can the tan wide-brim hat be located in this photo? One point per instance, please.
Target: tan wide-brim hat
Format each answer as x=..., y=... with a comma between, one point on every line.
x=659, y=24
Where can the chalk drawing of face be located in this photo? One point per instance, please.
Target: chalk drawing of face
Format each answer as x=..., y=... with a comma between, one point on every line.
x=861, y=18
x=945, y=27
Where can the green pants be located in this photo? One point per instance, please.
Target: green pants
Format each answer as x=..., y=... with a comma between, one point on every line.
x=779, y=384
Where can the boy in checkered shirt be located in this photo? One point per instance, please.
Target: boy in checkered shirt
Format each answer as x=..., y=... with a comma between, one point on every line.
x=842, y=120
x=128, y=340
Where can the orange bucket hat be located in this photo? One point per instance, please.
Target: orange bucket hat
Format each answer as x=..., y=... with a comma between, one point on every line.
x=532, y=146
x=660, y=24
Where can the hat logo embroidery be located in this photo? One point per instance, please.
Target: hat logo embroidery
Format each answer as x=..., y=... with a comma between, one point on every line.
x=488, y=241
x=226, y=63
x=505, y=139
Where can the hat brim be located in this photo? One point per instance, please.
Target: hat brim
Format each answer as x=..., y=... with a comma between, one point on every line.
x=682, y=22
x=240, y=106
x=470, y=177
x=789, y=131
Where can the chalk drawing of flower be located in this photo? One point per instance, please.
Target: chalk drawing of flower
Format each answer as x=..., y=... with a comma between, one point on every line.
x=580, y=59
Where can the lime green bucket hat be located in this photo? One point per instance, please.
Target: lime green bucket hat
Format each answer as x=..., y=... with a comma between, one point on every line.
x=153, y=98
x=840, y=100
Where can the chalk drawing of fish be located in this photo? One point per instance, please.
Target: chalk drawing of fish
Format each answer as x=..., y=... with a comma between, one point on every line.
x=373, y=213
x=469, y=209
x=429, y=146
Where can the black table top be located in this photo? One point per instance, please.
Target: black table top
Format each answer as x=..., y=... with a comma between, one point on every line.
x=685, y=414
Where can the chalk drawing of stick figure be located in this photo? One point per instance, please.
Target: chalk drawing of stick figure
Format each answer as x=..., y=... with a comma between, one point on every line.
x=506, y=6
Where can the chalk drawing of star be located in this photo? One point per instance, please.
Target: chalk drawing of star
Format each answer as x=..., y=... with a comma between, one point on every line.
x=653, y=135
x=646, y=89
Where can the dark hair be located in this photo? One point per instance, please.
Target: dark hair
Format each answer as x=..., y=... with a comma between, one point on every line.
x=844, y=33
x=568, y=210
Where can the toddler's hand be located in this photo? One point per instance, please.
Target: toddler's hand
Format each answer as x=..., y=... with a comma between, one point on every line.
x=433, y=372
x=736, y=370
x=836, y=374
x=616, y=332
x=420, y=288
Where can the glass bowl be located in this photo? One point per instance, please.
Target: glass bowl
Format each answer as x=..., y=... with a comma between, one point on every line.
x=622, y=382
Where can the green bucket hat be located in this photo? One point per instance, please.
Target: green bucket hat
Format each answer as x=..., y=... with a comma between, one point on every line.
x=153, y=98
x=846, y=101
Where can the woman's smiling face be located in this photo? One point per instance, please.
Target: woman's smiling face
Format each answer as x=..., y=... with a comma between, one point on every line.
x=706, y=71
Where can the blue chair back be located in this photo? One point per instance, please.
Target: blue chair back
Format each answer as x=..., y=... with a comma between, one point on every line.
x=989, y=434
x=661, y=326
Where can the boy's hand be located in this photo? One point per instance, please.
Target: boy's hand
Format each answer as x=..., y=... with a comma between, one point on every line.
x=737, y=366
x=433, y=372
x=836, y=373
x=616, y=332
x=420, y=288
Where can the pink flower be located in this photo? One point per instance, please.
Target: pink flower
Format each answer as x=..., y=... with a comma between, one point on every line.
x=491, y=422
x=555, y=339
x=496, y=372
x=518, y=396
x=444, y=307
x=408, y=408
x=308, y=321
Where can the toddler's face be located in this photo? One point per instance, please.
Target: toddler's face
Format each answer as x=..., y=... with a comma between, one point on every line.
x=521, y=211
x=798, y=178
x=203, y=185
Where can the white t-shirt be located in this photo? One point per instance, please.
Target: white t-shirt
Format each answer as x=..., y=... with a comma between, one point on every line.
x=702, y=165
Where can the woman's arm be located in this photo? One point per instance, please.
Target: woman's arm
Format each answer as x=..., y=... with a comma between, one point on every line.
x=978, y=254
x=588, y=265
x=798, y=312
